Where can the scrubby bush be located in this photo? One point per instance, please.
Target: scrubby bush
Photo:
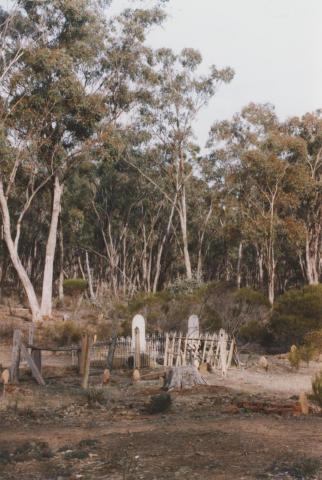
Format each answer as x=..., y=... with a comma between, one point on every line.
x=295, y=314
x=62, y=333
x=254, y=332
x=294, y=357
x=307, y=352
x=317, y=388
x=159, y=403
x=75, y=286
x=314, y=338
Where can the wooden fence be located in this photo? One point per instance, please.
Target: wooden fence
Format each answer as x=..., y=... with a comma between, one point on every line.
x=170, y=349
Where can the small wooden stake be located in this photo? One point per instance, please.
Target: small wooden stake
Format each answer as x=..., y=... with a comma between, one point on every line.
x=15, y=356
x=87, y=361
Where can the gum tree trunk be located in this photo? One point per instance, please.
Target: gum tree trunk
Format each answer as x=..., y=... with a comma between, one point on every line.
x=21, y=271
x=47, y=288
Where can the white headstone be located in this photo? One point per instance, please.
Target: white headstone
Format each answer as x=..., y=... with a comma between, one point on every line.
x=193, y=326
x=139, y=322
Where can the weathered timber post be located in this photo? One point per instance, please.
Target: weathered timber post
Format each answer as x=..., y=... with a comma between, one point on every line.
x=223, y=351
x=87, y=361
x=15, y=356
x=111, y=351
x=137, y=351
x=81, y=358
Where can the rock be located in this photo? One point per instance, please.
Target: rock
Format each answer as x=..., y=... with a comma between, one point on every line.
x=5, y=376
x=263, y=363
x=203, y=368
x=106, y=377
x=136, y=375
x=304, y=404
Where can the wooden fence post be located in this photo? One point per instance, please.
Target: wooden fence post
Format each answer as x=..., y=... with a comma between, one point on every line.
x=34, y=368
x=165, y=361
x=15, y=356
x=81, y=360
x=87, y=361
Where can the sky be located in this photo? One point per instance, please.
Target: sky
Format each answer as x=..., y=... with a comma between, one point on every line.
x=274, y=46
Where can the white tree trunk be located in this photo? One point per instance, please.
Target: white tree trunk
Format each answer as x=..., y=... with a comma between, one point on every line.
x=239, y=262
x=89, y=276
x=312, y=260
x=161, y=247
x=184, y=233
x=47, y=287
x=23, y=276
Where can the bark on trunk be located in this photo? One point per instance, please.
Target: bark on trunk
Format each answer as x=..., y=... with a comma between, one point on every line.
x=161, y=247
x=61, y=271
x=240, y=257
x=184, y=233
x=47, y=288
x=183, y=377
x=23, y=276
x=312, y=259
x=89, y=276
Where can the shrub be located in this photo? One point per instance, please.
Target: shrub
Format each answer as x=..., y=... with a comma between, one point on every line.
x=75, y=286
x=307, y=352
x=62, y=333
x=315, y=339
x=252, y=332
x=317, y=388
x=296, y=313
x=159, y=403
x=294, y=357
x=251, y=297
x=95, y=396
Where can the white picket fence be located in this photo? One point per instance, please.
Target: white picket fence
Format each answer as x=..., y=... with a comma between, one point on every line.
x=170, y=349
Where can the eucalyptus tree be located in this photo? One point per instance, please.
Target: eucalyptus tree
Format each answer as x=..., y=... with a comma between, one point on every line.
x=308, y=131
x=178, y=94
x=262, y=179
x=64, y=95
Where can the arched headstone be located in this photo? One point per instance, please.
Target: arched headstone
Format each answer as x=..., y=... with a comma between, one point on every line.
x=139, y=322
x=193, y=326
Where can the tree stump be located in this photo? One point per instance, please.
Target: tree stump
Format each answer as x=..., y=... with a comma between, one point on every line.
x=183, y=377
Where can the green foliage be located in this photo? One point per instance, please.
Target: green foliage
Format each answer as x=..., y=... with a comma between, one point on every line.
x=183, y=286
x=251, y=297
x=160, y=403
x=75, y=286
x=307, y=352
x=296, y=313
x=62, y=333
x=95, y=396
x=317, y=388
x=294, y=357
x=254, y=332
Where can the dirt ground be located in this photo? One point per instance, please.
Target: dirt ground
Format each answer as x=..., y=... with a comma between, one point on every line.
x=246, y=426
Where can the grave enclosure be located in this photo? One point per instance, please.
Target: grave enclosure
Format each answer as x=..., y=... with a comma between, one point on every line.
x=169, y=349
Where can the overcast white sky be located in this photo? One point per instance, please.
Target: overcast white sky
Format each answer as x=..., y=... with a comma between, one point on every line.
x=274, y=47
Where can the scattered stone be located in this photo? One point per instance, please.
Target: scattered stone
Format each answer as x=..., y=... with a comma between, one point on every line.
x=136, y=375
x=5, y=376
x=304, y=403
x=106, y=377
x=263, y=363
x=203, y=368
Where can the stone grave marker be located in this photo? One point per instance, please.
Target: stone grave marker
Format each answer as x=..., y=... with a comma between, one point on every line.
x=193, y=326
x=139, y=322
